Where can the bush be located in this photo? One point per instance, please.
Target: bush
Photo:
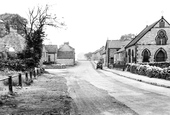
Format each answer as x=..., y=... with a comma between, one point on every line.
x=17, y=64
x=48, y=63
x=150, y=71
x=160, y=64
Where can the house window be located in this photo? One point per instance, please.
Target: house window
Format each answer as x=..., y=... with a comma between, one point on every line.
x=161, y=38
x=49, y=58
x=160, y=55
x=146, y=55
x=129, y=55
x=161, y=24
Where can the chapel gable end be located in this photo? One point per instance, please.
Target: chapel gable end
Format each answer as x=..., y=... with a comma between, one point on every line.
x=162, y=24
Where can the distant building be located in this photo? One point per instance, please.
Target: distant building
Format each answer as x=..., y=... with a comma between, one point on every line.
x=99, y=55
x=120, y=55
x=49, y=53
x=111, y=47
x=66, y=54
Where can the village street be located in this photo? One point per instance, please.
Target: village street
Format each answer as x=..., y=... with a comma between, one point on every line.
x=98, y=92
x=92, y=92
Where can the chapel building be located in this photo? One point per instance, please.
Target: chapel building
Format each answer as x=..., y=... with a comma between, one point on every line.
x=152, y=44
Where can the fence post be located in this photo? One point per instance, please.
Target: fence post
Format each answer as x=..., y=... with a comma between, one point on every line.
x=20, y=79
x=26, y=76
x=10, y=84
x=43, y=70
x=31, y=75
x=37, y=71
x=40, y=70
x=34, y=74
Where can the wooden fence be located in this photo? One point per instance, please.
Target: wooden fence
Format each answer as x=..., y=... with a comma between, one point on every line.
x=29, y=76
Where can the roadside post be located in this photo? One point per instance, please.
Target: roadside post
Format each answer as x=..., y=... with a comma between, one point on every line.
x=20, y=79
x=10, y=84
x=31, y=75
x=26, y=76
x=34, y=74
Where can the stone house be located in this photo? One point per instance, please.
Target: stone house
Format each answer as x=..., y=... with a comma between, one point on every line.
x=119, y=56
x=98, y=54
x=111, y=47
x=66, y=54
x=49, y=53
x=11, y=43
x=152, y=44
x=103, y=55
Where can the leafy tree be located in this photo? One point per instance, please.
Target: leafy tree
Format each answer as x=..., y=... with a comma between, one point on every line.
x=88, y=55
x=127, y=37
x=15, y=20
x=34, y=31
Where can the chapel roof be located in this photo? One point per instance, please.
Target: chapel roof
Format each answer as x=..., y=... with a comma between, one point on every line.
x=143, y=32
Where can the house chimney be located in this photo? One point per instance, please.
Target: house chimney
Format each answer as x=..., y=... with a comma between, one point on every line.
x=67, y=43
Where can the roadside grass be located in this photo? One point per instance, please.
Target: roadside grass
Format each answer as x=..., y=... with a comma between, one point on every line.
x=46, y=96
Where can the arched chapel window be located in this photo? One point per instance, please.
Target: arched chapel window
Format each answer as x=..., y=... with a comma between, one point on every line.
x=129, y=55
x=160, y=55
x=161, y=38
x=146, y=55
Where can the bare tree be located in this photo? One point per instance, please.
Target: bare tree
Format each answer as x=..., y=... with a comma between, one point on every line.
x=38, y=19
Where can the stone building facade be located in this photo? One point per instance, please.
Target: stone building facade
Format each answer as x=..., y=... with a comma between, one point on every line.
x=152, y=44
x=66, y=54
x=111, y=47
x=49, y=53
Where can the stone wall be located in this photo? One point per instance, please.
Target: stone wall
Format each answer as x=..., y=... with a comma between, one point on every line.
x=66, y=61
x=66, y=55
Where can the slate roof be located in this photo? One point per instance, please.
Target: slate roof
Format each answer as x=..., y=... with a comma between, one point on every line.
x=116, y=43
x=123, y=46
x=51, y=48
x=113, y=44
x=143, y=32
x=66, y=47
x=101, y=50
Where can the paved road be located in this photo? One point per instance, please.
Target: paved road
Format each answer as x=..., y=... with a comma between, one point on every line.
x=97, y=92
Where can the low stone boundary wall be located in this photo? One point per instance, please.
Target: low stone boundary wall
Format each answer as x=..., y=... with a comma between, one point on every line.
x=66, y=61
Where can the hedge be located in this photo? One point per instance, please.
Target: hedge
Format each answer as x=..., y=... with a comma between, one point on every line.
x=150, y=71
x=16, y=64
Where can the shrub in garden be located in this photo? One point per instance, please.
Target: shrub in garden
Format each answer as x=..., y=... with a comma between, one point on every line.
x=150, y=71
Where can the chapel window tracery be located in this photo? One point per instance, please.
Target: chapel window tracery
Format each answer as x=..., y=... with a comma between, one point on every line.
x=161, y=38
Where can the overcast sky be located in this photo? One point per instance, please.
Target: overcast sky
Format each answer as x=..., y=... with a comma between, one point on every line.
x=91, y=22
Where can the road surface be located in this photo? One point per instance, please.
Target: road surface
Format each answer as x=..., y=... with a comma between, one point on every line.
x=98, y=92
